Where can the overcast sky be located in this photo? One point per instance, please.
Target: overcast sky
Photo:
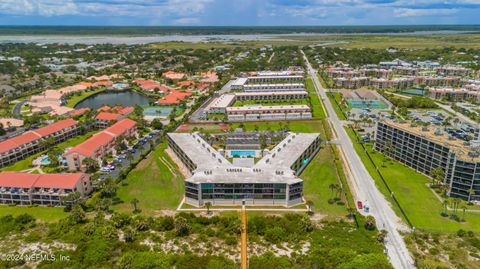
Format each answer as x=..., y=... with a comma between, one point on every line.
x=238, y=12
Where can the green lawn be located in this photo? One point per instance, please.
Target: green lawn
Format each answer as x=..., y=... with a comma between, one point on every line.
x=420, y=204
x=27, y=162
x=335, y=99
x=47, y=214
x=75, y=99
x=303, y=126
x=152, y=183
x=317, y=107
x=318, y=176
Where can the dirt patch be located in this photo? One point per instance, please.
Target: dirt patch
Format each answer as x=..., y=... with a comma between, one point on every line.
x=145, y=162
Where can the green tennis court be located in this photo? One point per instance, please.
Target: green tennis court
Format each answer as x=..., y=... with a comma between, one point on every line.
x=376, y=104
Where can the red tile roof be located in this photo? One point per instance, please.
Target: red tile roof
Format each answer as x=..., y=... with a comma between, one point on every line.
x=55, y=127
x=186, y=83
x=61, y=181
x=174, y=97
x=106, y=116
x=78, y=112
x=25, y=180
x=173, y=75
x=91, y=145
x=104, y=108
x=31, y=136
x=120, y=127
x=102, y=83
x=17, y=180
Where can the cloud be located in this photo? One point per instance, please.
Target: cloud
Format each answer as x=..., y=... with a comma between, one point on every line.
x=238, y=12
x=410, y=12
x=38, y=7
x=186, y=21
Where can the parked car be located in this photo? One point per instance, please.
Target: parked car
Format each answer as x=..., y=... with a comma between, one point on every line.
x=359, y=204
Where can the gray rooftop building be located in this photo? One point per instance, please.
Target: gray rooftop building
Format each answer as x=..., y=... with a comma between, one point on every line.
x=272, y=180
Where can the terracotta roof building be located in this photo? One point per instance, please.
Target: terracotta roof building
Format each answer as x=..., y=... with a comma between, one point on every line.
x=173, y=75
x=99, y=145
x=28, y=143
x=174, y=97
x=42, y=189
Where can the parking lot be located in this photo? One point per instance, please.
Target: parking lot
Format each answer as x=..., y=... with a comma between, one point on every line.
x=122, y=160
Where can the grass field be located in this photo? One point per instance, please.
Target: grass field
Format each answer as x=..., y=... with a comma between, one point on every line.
x=335, y=99
x=318, y=176
x=75, y=99
x=420, y=204
x=304, y=126
x=47, y=214
x=379, y=41
x=153, y=184
x=317, y=107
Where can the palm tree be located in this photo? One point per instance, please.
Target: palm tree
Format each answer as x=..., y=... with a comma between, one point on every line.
x=90, y=164
x=134, y=203
x=471, y=192
x=351, y=212
x=309, y=206
x=445, y=206
x=437, y=174
x=381, y=236
x=332, y=188
x=456, y=203
x=464, y=208
x=208, y=205
x=370, y=223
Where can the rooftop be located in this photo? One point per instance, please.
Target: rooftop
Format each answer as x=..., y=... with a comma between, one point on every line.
x=107, y=116
x=212, y=167
x=438, y=136
x=25, y=180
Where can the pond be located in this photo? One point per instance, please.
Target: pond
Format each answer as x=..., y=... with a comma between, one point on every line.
x=112, y=98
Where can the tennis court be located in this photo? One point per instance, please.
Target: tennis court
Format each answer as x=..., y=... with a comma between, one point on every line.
x=376, y=104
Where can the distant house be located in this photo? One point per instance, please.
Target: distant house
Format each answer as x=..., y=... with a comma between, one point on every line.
x=150, y=85
x=105, y=119
x=78, y=112
x=174, y=97
x=10, y=122
x=173, y=75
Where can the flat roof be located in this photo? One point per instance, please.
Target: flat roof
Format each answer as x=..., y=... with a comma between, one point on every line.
x=212, y=167
x=266, y=108
x=456, y=145
x=276, y=77
x=265, y=93
x=223, y=101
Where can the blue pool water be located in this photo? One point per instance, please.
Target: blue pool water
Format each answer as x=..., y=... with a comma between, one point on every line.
x=45, y=161
x=243, y=153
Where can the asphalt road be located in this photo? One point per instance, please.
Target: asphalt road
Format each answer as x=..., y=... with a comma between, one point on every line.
x=125, y=162
x=364, y=187
x=18, y=108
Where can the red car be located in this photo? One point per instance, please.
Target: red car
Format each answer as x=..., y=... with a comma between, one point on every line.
x=359, y=204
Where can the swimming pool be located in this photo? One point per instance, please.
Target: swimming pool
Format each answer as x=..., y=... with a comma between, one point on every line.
x=45, y=161
x=243, y=153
